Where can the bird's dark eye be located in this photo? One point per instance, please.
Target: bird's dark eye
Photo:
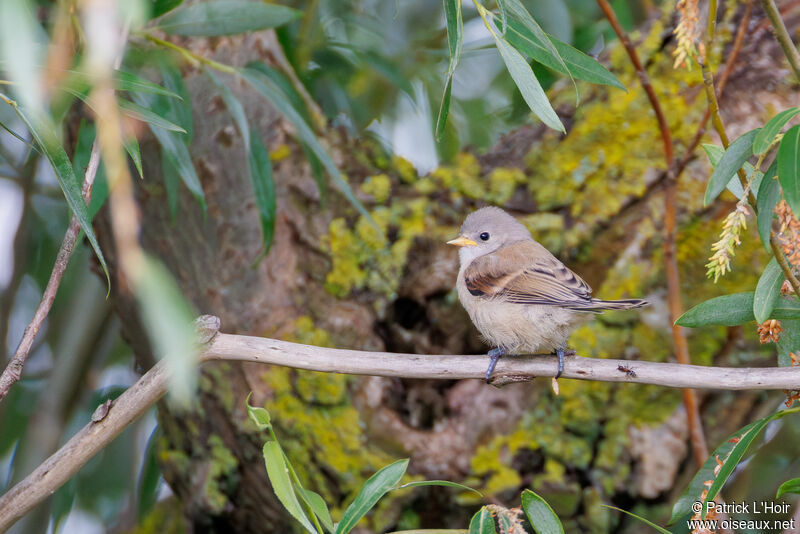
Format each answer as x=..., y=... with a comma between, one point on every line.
x=484, y=236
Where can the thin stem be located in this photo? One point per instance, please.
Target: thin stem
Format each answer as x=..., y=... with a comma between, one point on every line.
x=190, y=56
x=782, y=34
x=698, y=441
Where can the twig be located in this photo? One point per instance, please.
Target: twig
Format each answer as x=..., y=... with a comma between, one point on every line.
x=698, y=441
x=65, y=462
x=782, y=34
x=13, y=371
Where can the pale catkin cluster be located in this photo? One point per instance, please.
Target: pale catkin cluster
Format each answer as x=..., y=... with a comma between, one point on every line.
x=720, y=262
x=687, y=33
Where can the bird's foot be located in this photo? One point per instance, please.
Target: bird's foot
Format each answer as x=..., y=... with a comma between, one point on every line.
x=494, y=355
x=561, y=353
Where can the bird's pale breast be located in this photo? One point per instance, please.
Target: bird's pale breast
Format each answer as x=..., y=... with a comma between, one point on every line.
x=520, y=328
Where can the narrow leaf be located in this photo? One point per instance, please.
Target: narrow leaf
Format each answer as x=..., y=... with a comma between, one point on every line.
x=143, y=114
x=727, y=310
x=263, y=186
x=317, y=504
x=278, y=475
x=132, y=148
x=790, y=486
x=642, y=519
x=683, y=506
x=768, y=195
x=65, y=175
x=767, y=291
x=575, y=62
x=172, y=182
x=789, y=167
x=371, y=492
x=267, y=88
x=715, y=154
x=517, y=11
x=149, y=478
x=159, y=7
x=789, y=342
x=177, y=154
x=526, y=81
x=127, y=81
x=541, y=517
x=455, y=38
x=446, y=483
x=482, y=523
x=744, y=438
x=771, y=129
x=226, y=17
x=257, y=414
x=179, y=110
x=731, y=161
x=169, y=320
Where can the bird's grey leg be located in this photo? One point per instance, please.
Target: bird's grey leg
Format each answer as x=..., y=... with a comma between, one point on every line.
x=494, y=355
x=560, y=354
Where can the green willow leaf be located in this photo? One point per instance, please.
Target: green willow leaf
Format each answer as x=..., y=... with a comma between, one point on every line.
x=176, y=152
x=523, y=77
x=727, y=310
x=278, y=475
x=771, y=129
x=789, y=167
x=731, y=161
x=257, y=414
x=482, y=523
x=373, y=489
x=149, y=478
x=446, y=483
x=48, y=141
x=318, y=506
x=143, y=114
x=455, y=38
x=692, y=493
x=767, y=291
x=790, y=486
x=169, y=321
x=159, y=7
x=226, y=17
x=263, y=186
x=642, y=519
x=743, y=439
x=132, y=148
x=541, y=517
x=768, y=195
x=715, y=154
x=515, y=10
x=274, y=95
x=179, y=110
x=789, y=341
x=575, y=62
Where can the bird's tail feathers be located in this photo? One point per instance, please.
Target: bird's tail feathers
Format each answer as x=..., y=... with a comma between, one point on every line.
x=626, y=304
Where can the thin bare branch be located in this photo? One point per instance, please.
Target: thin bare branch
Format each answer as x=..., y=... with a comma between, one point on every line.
x=698, y=440
x=13, y=371
x=109, y=422
x=782, y=34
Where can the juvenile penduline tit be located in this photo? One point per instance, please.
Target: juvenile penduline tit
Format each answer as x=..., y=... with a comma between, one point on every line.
x=520, y=297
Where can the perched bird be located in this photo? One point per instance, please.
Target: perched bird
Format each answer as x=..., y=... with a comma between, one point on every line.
x=520, y=297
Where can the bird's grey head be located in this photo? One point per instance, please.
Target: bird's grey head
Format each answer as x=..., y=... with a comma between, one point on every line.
x=485, y=231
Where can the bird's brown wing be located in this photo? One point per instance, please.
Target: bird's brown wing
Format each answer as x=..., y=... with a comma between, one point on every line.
x=526, y=273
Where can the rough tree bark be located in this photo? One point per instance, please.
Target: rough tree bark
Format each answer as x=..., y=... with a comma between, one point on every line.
x=573, y=449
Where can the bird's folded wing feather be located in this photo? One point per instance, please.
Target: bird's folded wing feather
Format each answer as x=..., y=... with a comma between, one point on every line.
x=526, y=273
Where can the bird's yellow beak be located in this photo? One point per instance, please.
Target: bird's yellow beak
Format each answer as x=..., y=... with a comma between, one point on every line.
x=462, y=241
